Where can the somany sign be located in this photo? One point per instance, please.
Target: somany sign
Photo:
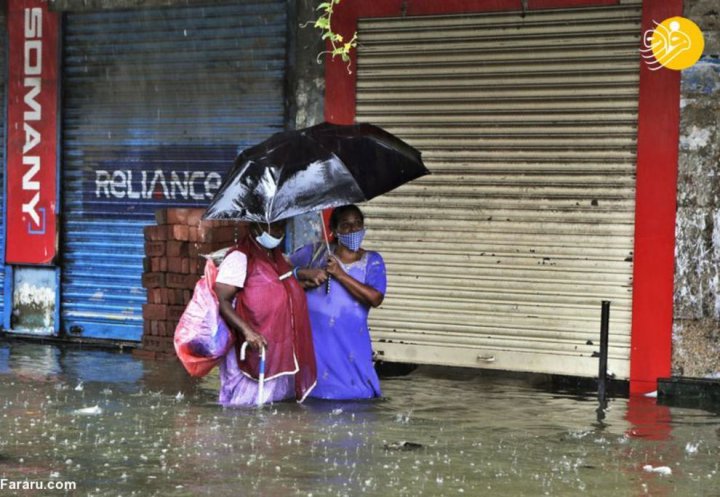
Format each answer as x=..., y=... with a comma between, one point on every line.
x=32, y=132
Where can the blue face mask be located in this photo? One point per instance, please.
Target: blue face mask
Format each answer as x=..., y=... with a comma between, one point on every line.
x=268, y=241
x=352, y=240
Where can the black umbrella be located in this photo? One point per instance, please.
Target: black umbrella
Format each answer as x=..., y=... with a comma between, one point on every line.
x=315, y=168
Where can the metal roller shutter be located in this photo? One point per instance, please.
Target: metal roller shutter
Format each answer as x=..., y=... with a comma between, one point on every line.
x=500, y=258
x=176, y=90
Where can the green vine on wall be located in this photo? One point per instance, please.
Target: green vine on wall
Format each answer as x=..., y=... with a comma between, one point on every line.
x=338, y=47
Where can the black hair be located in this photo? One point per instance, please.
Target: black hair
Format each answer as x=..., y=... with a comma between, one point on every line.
x=258, y=225
x=339, y=211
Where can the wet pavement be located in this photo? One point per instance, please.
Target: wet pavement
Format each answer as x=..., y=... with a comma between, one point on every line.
x=120, y=426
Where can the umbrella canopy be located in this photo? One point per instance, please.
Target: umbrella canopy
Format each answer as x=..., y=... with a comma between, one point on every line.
x=315, y=168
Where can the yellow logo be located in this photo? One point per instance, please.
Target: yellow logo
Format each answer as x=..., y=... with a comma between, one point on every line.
x=676, y=43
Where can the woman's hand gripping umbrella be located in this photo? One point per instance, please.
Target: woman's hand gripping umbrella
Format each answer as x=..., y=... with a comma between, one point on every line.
x=261, y=373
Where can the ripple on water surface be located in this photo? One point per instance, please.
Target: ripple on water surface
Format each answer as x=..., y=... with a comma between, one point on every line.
x=144, y=428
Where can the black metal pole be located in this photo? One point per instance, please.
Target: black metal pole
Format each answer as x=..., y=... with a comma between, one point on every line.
x=602, y=370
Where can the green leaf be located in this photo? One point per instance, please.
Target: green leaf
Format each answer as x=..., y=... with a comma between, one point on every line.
x=324, y=5
x=322, y=23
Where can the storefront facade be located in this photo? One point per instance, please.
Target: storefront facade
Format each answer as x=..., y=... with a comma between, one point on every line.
x=153, y=106
x=554, y=156
x=553, y=150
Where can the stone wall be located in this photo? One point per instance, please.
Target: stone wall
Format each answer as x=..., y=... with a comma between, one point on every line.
x=696, y=329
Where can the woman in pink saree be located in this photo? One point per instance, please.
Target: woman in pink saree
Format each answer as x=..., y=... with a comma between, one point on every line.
x=265, y=311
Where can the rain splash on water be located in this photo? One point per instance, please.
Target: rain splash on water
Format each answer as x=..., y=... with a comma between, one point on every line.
x=119, y=426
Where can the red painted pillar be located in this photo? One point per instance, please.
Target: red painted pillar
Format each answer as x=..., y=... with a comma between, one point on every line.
x=655, y=210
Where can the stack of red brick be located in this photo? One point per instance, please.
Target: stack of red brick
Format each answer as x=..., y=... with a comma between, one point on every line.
x=172, y=266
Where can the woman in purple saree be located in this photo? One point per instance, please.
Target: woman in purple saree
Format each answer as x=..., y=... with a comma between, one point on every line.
x=339, y=317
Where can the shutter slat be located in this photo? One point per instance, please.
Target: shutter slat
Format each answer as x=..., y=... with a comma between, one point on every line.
x=167, y=89
x=502, y=256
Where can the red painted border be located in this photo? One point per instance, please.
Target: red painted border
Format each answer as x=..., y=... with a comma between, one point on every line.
x=655, y=209
x=564, y=4
x=658, y=130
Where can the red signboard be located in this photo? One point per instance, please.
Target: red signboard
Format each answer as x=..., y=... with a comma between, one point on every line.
x=32, y=132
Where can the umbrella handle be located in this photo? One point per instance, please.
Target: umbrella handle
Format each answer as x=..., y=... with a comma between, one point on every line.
x=262, y=361
x=242, y=351
x=324, y=232
x=261, y=378
x=243, y=348
x=327, y=246
x=261, y=371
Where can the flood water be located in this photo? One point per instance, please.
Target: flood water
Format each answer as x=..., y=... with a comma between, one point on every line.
x=120, y=426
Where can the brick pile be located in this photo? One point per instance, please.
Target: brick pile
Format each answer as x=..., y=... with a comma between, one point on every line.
x=172, y=266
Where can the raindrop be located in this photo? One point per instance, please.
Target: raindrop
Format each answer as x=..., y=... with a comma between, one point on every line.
x=89, y=411
x=661, y=470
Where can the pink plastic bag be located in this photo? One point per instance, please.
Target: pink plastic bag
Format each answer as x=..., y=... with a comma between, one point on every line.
x=202, y=338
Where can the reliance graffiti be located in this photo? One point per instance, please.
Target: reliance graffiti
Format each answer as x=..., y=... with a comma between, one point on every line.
x=156, y=185
x=139, y=180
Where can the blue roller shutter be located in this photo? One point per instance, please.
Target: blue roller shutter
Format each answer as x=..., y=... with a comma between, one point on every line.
x=156, y=104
